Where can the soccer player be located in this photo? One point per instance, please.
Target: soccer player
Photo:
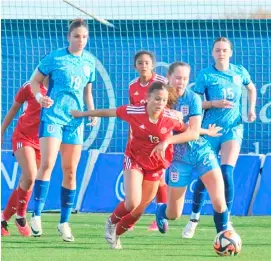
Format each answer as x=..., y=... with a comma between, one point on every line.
x=71, y=72
x=222, y=84
x=144, y=62
x=25, y=146
x=196, y=155
x=150, y=123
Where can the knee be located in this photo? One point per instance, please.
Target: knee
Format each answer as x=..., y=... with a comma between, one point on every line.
x=28, y=182
x=219, y=206
x=173, y=215
x=46, y=166
x=131, y=204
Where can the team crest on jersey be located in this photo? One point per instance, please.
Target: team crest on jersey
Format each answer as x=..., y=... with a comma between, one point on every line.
x=86, y=70
x=185, y=110
x=163, y=130
x=237, y=79
x=174, y=176
x=136, y=93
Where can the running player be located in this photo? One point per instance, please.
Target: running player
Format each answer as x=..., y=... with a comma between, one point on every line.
x=25, y=146
x=222, y=84
x=144, y=63
x=195, y=155
x=150, y=123
x=71, y=72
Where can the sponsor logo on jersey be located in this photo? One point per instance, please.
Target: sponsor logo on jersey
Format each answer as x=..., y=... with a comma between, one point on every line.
x=136, y=93
x=142, y=127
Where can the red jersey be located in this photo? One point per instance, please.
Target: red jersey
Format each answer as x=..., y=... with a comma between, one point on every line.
x=145, y=135
x=29, y=121
x=138, y=92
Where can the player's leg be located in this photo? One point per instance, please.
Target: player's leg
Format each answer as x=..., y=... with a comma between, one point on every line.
x=178, y=176
x=214, y=183
x=149, y=190
x=132, y=178
x=49, y=147
x=26, y=157
x=230, y=149
x=161, y=197
x=199, y=194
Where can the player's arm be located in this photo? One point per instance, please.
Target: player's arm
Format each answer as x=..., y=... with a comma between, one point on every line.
x=88, y=100
x=9, y=117
x=36, y=80
x=252, y=96
x=95, y=113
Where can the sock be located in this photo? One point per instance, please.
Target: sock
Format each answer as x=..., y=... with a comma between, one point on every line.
x=40, y=194
x=161, y=211
x=221, y=220
x=125, y=223
x=119, y=212
x=10, y=209
x=67, y=201
x=161, y=196
x=227, y=172
x=23, y=198
x=198, y=199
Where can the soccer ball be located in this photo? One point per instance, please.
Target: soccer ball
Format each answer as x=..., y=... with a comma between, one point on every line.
x=227, y=243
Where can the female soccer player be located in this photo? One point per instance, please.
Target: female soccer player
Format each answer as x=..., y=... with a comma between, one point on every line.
x=25, y=146
x=195, y=155
x=150, y=124
x=144, y=62
x=222, y=84
x=71, y=72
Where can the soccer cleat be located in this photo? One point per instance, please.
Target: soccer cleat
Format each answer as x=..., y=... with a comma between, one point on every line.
x=35, y=224
x=23, y=227
x=109, y=231
x=161, y=222
x=189, y=229
x=4, y=229
x=116, y=244
x=65, y=232
x=153, y=226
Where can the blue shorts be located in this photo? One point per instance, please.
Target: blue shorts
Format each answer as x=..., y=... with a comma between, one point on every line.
x=179, y=173
x=236, y=133
x=67, y=134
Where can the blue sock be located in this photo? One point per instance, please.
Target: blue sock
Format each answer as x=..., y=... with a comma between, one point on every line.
x=67, y=200
x=161, y=211
x=221, y=220
x=227, y=172
x=198, y=199
x=40, y=194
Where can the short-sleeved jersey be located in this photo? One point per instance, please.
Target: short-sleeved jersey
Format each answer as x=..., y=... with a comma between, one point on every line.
x=29, y=121
x=219, y=85
x=68, y=76
x=190, y=105
x=146, y=135
x=138, y=91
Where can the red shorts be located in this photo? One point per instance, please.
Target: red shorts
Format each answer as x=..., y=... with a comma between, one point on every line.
x=19, y=141
x=150, y=175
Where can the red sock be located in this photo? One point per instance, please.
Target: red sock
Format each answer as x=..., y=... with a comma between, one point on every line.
x=125, y=223
x=22, y=202
x=10, y=209
x=161, y=196
x=119, y=212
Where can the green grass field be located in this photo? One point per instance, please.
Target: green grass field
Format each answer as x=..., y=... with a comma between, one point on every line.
x=139, y=244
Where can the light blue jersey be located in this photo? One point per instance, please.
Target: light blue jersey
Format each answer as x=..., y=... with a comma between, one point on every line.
x=190, y=105
x=195, y=156
x=219, y=85
x=68, y=76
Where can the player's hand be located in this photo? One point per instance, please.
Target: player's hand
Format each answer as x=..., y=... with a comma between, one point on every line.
x=179, y=114
x=160, y=150
x=93, y=121
x=251, y=116
x=214, y=130
x=77, y=114
x=46, y=102
x=222, y=104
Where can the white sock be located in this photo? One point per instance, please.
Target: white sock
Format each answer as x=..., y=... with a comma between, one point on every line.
x=195, y=216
